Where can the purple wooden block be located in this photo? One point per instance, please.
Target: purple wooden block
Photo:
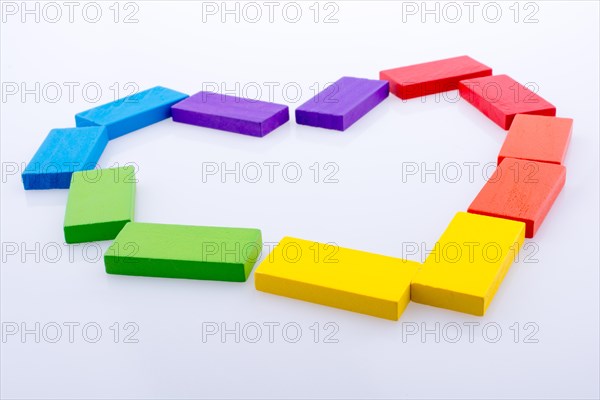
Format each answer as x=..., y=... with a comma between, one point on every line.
x=230, y=113
x=343, y=103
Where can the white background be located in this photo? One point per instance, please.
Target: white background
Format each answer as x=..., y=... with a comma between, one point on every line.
x=371, y=207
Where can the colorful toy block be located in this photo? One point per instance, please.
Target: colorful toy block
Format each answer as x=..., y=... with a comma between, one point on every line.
x=132, y=112
x=181, y=251
x=343, y=103
x=337, y=277
x=230, y=113
x=500, y=98
x=63, y=152
x=521, y=190
x=537, y=138
x=462, y=273
x=432, y=77
x=468, y=263
x=100, y=203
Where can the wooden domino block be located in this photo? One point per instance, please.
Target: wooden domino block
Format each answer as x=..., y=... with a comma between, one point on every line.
x=432, y=77
x=99, y=205
x=132, y=112
x=537, y=138
x=63, y=152
x=343, y=103
x=500, y=98
x=468, y=263
x=338, y=277
x=521, y=190
x=230, y=113
x=182, y=251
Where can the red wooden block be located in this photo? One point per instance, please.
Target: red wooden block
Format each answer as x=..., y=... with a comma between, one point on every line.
x=501, y=98
x=521, y=190
x=537, y=138
x=432, y=77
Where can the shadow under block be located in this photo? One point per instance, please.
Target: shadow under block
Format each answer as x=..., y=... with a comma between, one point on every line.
x=182, y=251
x=63, y=152
x=337, y=277
x=132, y=112
x=521, y=190
x=230, y=113
x=468, y=263
x=500, y=98
x=99, y=205
x=537, y=138
x=432, y=77
x=342, y=103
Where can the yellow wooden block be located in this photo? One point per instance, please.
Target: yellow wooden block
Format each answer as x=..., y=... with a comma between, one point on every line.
x=338, y=277
x=467, y=264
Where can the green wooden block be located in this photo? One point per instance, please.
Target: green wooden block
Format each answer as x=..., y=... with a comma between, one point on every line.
x=183, y=251
x=100, y=203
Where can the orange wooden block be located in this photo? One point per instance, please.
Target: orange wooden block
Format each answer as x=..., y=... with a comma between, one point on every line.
x=537, y=138
x=521, y=190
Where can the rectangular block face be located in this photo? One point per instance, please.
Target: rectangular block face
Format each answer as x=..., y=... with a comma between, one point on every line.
x=63, y=152
x=537, y=138
x=333, y=276
x=99, y=205
x=432, y=77
x=132, y=112
x=230, y=113
x=521, y=190
x=343, y=103
x=500, y=98
x=181, y=251
x=468, y=263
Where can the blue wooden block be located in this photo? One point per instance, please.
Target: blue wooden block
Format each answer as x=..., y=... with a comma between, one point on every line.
x=132, y=112
x=63, y=152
